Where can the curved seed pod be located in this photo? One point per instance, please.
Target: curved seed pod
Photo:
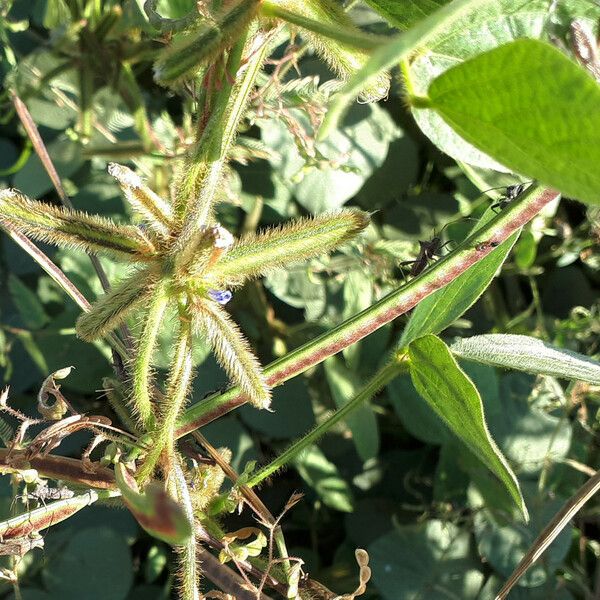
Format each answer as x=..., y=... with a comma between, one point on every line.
x=72, y=228
x=112, y=308
x=232, y=351
x=257, y=254
x=185, y=57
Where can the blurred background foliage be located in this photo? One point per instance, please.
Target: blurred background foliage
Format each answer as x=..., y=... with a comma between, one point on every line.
x=391, y=479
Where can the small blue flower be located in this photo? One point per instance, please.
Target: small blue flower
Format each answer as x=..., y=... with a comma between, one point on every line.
x=220, y=296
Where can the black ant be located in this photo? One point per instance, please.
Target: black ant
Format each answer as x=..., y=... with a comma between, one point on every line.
x=428, y=250
x=481, y=246
x=511, y=194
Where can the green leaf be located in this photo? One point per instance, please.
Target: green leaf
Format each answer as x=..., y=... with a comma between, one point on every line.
x=324, y=478
x=344, y=385
x=33, y=180
x=343, y=162
x=525, y=250
x=30, y=308
x=442, y=308
x=94, y=564
x=531, y=108
x=391, y=54
x=433, y=561
x=517, y=415
x=292, y=414
x=453, y=396
x=406, y=13
x=416, y=416
x=482, y=29
x=156, y=561
x=502, y=544
x=154, y=509
x=525, y=353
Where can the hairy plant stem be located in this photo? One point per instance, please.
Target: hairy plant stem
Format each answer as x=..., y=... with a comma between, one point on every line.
x=391, y=370
x=188, y=573
x=180, y=375
x=52, y=514
x=142, y=368
x=441, y=273
x=59, y=467
x=351, y=37
x=209, y=159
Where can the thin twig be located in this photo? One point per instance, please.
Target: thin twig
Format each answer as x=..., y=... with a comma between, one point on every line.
x=225, y=578
x=42, y=152
x=551, y=531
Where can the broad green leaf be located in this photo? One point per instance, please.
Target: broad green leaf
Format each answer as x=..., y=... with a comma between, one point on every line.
x=525, y=250
x=525, y=353
x=502, y=544
x=416, y=416
x=292, y=414
x=453, y=396
x=531, y=108
x=558, y=591
x=94, y=564
x=300, y=289
x=404, y=14
x=481, y=30
x=344, y=385
x=519, y=419
x=442, y=308
x=358, y=295
x=154, y=509
x=391, y=54
x=323, y=476
x=343, y=162
x=433, y=561
x=52, y=115
x=30, y=308
x=33, y=180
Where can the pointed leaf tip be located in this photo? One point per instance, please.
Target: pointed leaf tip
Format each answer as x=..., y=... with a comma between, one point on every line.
x=455, y=399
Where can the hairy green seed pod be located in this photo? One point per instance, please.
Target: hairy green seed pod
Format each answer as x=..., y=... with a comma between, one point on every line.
x=186, y=56
x=72, y=228
x=150, y=206
x=112, y=308
x=257, y=254
x=232, y=351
